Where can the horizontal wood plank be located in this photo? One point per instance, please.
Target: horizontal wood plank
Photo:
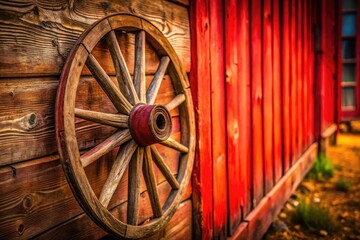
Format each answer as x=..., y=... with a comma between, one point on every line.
x=27, y=124
x=34, y=195
x=260, y=218
x=82, y=227
x=37, y=38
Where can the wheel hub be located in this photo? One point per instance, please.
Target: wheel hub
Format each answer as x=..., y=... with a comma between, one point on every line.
x=149, y=124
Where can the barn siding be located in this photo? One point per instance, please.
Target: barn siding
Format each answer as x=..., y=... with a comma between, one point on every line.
x=35, y=40
x=263, y=94
x=273, y=113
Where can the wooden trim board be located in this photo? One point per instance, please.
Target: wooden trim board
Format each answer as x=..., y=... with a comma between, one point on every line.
x=259, y=220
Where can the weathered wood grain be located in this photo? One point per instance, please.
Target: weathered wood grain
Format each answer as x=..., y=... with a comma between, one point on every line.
x=37, y=38
x=82, y=227
x=256, y=102
x=293, y=83
x=268, y=107
x=121, y=162
x=149, y=176
x=285, y=80
x=156, y=82
x=140, y=66
x=278, y=123
x=110, y=143
x=27, y=115
x=122, y=72
x=34, y=195
x=218, y=113
x=201, y=91
x=233, y=101
x=134, y=186
x=299, y=79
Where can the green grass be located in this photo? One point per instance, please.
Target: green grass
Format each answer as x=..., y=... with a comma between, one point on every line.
x=313, y=217
x=343, y=184
x=322, y=169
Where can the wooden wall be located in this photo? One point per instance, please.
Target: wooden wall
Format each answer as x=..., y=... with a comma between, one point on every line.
x=258, y=121
x=327, y=88
x=260, y=83
x=35, y=40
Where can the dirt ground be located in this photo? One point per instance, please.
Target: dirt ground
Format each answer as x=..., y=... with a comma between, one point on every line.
x=344, y=207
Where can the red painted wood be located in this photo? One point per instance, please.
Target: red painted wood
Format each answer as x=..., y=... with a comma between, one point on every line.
x=278, y=123
x=328, y=63
x=268, y=121
x=259, y=220
x=245, y=109
x=306, y=133
x=293, y=83
x=338, y=113
x=256, y=102
x=201, y=92
x=316, y=16
x=238, y=109
x=312, y=69
x=299, y=79
x=358, y=63
x=218, y=113
x=311, y=38
x=140, y=128
x=285, y=79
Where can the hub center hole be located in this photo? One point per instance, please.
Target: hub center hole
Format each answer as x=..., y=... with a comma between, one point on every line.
x=160, y=122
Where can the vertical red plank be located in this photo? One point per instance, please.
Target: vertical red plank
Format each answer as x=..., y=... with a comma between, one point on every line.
x=245, y=99
x=233, y=113
x=357, y=93
x=311, y=72
x=293, y=47
x=218, y=119
x=317, y=79
x=339, y=60
x=256, y=102
x=299, y=79
x=305, y=74
x=201, y=92
x=312, y=95
x=278, y=123
x=268, y=95
x=285, y=76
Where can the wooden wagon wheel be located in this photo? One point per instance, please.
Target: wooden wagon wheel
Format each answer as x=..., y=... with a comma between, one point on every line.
x=140, y=124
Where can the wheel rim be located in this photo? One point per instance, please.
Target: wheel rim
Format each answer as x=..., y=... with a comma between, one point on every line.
x=135, y=152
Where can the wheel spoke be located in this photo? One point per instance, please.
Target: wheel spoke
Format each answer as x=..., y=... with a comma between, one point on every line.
x=171, y=143
x=160, y=163
x=116, y=97
x=150, y=181
x=122, y=160
x=110, y=119
x=135, y=166
x=179, y=99
x=122, y=72
x=156, y=82
x=106, y=146
x=139, y=72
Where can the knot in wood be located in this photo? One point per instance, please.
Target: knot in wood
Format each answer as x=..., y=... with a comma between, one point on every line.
x=149, y=124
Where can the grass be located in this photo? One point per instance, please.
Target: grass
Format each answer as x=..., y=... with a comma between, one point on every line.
x=343, y=184
x=313, y=217
x=322, y=169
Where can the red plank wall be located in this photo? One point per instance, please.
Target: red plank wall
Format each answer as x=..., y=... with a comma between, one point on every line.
x=325, y=64
x=263, y=94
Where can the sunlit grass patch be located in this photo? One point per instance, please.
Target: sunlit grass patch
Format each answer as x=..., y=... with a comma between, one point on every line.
x=313, y=216
x=322, y=169
x=343, y=184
